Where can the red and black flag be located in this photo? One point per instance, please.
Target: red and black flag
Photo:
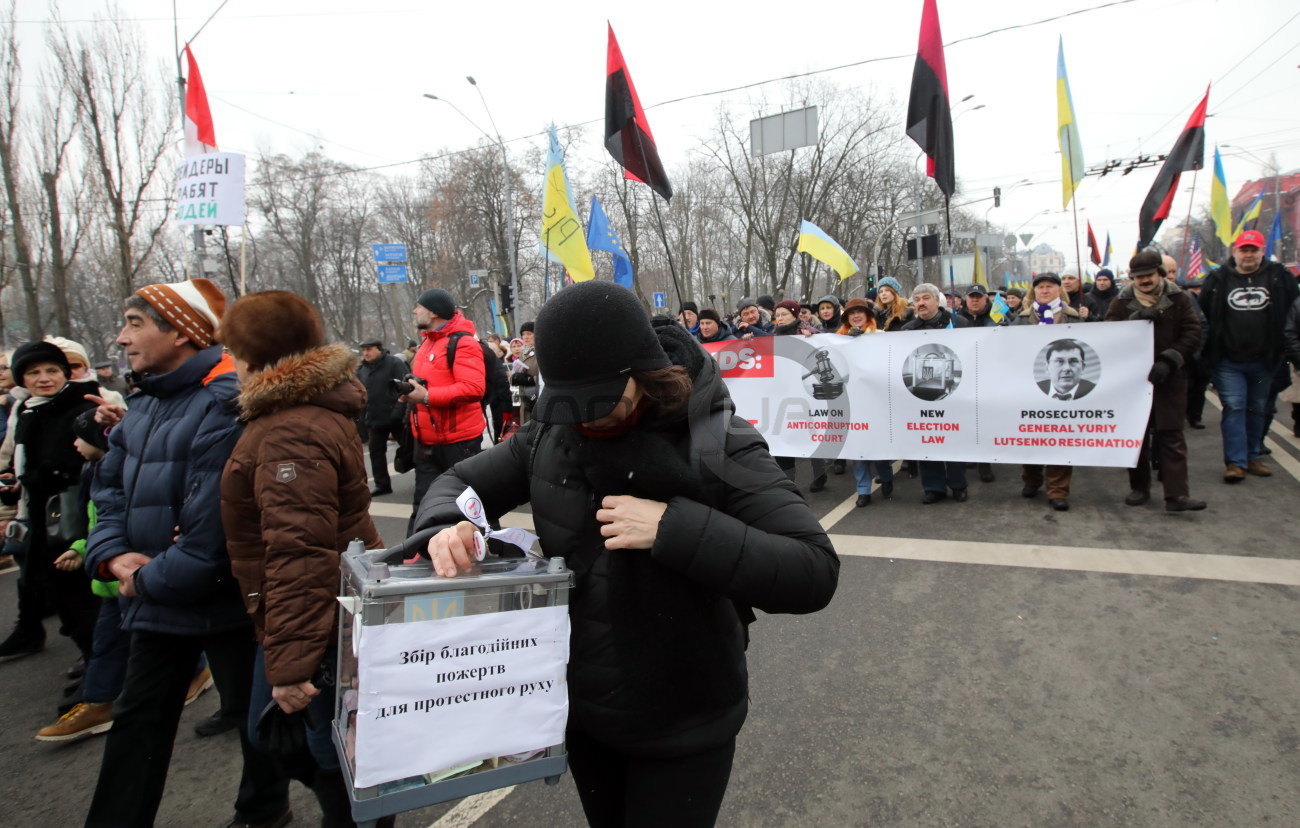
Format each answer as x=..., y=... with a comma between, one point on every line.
x=1188, y=154
x=1092, y=245
x=929, y=118
x=627, y=132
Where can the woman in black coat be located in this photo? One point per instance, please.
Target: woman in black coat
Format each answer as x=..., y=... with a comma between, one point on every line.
x=47, y=465
x=675, y=521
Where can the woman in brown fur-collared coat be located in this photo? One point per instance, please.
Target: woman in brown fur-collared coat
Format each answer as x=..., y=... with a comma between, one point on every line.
x=293, y=495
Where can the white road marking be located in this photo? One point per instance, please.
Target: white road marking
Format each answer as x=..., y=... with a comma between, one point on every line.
x=468, y=811
x=1076, y=558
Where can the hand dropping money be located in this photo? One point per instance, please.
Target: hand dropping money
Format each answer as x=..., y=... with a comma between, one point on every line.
x=472, y=508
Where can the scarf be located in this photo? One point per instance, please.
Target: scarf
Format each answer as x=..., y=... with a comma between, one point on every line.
x=1047, y=313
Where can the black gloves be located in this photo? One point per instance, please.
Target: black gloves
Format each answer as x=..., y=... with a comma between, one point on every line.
x=855, y=332
x=1159, y=372
x=1146, y=313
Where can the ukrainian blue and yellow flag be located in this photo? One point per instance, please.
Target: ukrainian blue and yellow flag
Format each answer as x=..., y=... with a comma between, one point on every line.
x=1000, y=310
x=1067, y=132
x=814, y=241
x=562, y=232
x=1220, y=209
x=1252, y=212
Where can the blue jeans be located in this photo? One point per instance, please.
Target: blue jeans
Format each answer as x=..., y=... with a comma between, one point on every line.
x=862, y=473
x=1243, y=389
x=321, y=710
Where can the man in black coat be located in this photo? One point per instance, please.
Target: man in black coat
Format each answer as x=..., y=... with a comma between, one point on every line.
x=1176, y=336
x=380, y=372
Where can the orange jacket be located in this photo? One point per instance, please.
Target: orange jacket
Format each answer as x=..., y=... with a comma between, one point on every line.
x=454, y=412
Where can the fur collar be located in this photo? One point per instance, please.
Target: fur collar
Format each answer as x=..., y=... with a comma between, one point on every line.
x=297, y=379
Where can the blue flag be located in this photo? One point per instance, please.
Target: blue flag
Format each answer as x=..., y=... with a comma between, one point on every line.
x=600, y=236
x=1274, y=238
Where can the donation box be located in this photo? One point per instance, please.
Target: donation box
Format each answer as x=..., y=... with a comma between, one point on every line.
x=449, y=687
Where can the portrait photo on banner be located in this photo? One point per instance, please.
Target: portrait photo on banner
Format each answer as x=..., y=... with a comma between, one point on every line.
x=1067, y=369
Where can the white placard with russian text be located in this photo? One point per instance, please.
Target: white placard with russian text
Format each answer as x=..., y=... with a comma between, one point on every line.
x=210, y=189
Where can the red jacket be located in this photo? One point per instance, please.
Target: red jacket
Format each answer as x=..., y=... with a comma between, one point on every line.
x=455, y=411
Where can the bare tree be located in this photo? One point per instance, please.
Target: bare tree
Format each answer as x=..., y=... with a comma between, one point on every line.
x=127, y=129
x=16, y=232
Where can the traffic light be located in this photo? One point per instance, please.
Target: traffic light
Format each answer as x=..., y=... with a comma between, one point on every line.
x=997, y=196
x=507, y=299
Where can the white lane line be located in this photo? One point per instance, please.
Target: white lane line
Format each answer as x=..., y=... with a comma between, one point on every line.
x=468, y=811
x=837, y=514
x=850, y=503
x=1076, y=558
x=1280, y=456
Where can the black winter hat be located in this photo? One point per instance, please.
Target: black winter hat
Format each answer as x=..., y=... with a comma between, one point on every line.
x=591, y=337
x=710, y=313
x=439, y=302
x=92, y=432
x=767, y=302
x=689, y=306
x=33, y=353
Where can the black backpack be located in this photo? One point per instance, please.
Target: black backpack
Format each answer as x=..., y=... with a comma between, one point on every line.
x=495, y=381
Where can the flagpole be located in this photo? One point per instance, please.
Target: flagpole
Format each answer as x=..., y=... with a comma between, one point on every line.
x=947, y=219
x=243, y=233
x=663, y=233
x=1188, y=226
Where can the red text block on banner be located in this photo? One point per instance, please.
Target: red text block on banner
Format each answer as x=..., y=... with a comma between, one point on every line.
x=745, y=358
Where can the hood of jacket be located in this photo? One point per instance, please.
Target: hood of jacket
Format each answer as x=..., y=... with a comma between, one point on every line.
x=324, y=376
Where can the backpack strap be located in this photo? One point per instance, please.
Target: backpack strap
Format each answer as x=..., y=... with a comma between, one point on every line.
x=452, y=339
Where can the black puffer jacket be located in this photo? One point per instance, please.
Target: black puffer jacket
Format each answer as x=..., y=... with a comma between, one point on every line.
x=657, y=661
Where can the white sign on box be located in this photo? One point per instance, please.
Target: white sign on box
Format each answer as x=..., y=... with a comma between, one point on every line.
x=210, y=189
x=1068, y=394
x=438, y=694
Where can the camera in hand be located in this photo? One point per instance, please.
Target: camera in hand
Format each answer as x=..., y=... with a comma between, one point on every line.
x=407, y=385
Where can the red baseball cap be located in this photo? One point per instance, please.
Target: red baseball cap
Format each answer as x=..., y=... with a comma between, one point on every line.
x=1250, y=238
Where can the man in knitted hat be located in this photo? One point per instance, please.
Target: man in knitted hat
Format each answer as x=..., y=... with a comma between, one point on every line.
x=158, y=492
x=754, y=320
x=447, y=419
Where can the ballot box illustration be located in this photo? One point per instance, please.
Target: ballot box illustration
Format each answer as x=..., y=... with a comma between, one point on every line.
x=449, y=687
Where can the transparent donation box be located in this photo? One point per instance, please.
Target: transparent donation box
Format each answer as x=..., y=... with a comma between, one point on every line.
x=449, y=687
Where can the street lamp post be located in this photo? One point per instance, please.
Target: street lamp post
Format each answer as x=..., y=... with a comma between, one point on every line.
x=510, y=192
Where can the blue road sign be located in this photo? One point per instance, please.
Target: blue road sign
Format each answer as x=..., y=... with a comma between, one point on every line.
x=390, y=274
x=661, y=300
x=389, y=253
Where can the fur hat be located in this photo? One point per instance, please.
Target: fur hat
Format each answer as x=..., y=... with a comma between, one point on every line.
x=193, y=307
x=35, y=353
x=710, y=313
x=439, y=302
x=262, y=328
x=766, y=302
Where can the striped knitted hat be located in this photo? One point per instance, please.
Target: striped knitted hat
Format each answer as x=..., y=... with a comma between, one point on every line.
x=193, y=307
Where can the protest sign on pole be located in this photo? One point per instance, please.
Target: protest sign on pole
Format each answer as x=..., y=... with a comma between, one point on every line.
x=1063, y=394
x=210, y=189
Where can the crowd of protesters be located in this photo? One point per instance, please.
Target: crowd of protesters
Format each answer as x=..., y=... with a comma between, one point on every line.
x=183, y=521
x=1237, y=328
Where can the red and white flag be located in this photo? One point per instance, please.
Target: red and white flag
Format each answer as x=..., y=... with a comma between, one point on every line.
x=200, y=135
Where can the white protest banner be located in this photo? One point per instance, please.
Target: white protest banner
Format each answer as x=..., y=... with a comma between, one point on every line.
x=438, y=694
x=1065, y=394
x=210, y=189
